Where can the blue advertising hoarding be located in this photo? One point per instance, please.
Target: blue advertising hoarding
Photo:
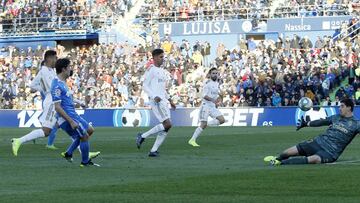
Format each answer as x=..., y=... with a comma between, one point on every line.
x=205, y=27
x=306, y=24
x=279, y=25
x=266, y=116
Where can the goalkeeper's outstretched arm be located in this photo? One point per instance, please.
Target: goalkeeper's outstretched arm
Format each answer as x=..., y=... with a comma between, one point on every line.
x=318, y=123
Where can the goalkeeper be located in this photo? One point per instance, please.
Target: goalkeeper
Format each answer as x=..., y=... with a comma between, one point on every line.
x=328, y=146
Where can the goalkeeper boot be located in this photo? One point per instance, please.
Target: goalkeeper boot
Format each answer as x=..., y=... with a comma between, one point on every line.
x=272, y=160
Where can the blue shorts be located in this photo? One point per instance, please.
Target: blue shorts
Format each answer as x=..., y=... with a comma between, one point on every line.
x=81, y=131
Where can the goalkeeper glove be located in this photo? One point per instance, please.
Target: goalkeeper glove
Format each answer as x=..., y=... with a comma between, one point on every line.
x=302, y=123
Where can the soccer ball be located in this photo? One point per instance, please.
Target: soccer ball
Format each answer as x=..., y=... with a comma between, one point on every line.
x=316, y=114
x=305, y=104
x=131, y=118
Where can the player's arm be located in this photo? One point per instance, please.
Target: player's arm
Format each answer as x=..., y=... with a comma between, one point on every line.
x=56, y=92
x=172, y=104
x=35, y=84
x=317, y=123
x=79, y=103
x=63, y=114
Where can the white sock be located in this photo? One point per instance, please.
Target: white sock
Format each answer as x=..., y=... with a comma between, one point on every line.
x=159, y=140
x=32, y=135
x=214, y=122
x=197, y=133
x=153, y=130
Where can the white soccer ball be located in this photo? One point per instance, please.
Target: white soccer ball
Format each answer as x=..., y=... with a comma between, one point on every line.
x=131, y=118
x=315, y=114
x=305, y=104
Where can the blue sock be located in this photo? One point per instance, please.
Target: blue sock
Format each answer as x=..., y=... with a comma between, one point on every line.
x=84, y=147
x=52, y=136
x=73, y=146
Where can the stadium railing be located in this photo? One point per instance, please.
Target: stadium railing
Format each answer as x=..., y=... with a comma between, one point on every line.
x=246, y=13
x=35, y=25
x=351, y=31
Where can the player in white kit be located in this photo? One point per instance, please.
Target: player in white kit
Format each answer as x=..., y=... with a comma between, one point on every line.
x=155, y=84
x=209, y=106
x=42, y=83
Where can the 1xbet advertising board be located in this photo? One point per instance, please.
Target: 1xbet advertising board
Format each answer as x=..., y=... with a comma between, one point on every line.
x=266, y=116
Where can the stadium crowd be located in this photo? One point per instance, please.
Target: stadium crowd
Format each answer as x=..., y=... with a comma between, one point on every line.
x=25, y=15
x=310, y=8
x=264, y=73
x=172, y=10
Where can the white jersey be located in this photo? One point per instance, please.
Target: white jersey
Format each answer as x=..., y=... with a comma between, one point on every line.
x=155, y=82
x=42, y=81
x=211, y=89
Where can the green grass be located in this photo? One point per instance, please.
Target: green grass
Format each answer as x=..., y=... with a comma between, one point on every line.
x=228, y=167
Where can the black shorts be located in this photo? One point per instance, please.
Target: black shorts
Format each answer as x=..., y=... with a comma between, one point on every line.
x=310, y=147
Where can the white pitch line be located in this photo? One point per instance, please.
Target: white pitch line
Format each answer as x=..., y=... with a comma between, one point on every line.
x=355, y=162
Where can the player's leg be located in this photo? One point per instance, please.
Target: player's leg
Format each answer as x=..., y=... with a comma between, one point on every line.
x=160, y=138
x=51, y=138
x=203, y=117
x=17, y=142
x=196, y=134
x=219, y=118
x=321, y=156
x=75, y=141
x=161, y=113
x=298, y=154
x=84, y=131
x=47, y=121
x=314, y=159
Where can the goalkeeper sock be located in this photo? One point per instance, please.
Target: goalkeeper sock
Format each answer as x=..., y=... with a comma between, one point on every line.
x=197, y=133
x=282, y=156
x=153, y=130
x=295, y=160
x=159, y=140
x=32, y=135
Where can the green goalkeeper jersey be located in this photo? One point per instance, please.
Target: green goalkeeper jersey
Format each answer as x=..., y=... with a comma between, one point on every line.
x=339, y=134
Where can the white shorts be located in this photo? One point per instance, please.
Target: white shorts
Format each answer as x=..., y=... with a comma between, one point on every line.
x=48, y=118
x=161, y=110
x=206, y=111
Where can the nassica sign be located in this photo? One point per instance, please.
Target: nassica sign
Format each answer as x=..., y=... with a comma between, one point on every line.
x=306, y=24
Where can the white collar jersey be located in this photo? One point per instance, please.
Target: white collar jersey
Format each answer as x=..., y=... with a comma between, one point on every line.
x=42, y=81
x=155, y=82
x=210, y=89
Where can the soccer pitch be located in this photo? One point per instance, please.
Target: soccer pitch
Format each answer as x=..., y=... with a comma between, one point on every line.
x=228, y=167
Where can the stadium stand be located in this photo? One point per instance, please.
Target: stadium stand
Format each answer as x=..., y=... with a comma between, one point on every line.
x=271, y=74
x=263, y=73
